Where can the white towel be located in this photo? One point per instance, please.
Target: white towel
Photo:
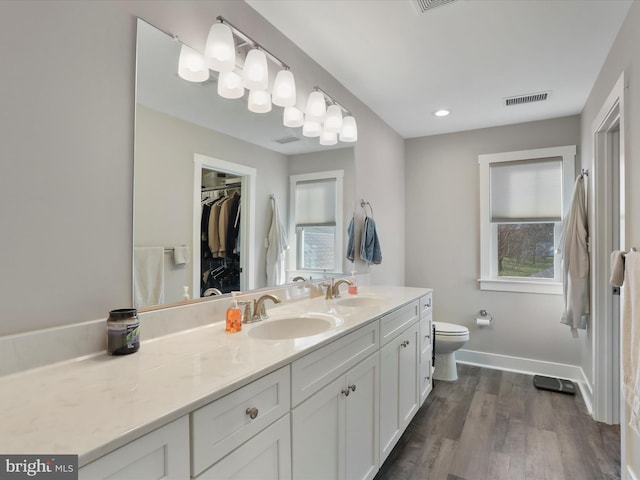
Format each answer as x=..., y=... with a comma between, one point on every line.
x=617, y=268
x=181, y=254
x=575, y=262
x=631, y=337
x=148, y=276
x=277, y=245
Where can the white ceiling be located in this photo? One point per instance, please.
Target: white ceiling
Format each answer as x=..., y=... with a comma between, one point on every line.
x=465, y=56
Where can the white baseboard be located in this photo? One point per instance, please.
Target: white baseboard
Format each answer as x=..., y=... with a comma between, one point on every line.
x=529, y=367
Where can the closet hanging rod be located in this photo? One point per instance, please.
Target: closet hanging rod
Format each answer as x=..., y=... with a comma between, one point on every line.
x=223, y=187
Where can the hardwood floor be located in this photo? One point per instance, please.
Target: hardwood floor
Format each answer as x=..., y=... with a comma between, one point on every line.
x=494, y=425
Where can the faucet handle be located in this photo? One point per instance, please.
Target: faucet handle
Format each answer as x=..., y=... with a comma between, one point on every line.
x=246, y=313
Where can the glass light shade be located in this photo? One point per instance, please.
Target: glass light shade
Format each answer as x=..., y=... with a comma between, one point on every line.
x=316, y=107
x=284, y=89
x=259, y=101
x=255, y=73
x=191, y=65
x=311, y=128
x=333, y=120
x=328, y=138
x=220, y=51
x=292, y=117
x=349, y=132
x=230, y=85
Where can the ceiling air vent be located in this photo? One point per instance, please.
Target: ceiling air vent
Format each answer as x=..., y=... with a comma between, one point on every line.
x=289, y=139
x=528, y=98
x=425, y=5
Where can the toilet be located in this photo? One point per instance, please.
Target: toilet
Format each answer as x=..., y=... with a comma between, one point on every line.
x=449, y=338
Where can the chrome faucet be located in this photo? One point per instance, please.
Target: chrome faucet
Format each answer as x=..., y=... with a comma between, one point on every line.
x=336, y=287
x=259, y=310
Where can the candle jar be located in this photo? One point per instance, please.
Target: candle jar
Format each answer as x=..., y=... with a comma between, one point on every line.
x=123, y=331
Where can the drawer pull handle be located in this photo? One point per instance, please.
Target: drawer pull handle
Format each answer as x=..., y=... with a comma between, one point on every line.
x=405, y=343
x=353, y=387
x=345, y=392
x=252, y=412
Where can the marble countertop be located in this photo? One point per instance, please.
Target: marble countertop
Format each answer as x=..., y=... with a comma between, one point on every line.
x=92, y=405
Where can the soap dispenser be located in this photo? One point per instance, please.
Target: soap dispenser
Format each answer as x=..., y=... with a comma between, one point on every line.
x=234, y=316
x=353, y=288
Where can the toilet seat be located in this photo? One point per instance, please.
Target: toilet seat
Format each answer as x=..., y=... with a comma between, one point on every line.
x=444, y=329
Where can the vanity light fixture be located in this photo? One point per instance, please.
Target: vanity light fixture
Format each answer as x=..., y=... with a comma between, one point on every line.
x=220, y=49
x=311, y=128
x=441, y=113
x=259, y=101
x=293, y=117
x=284, y=89
x=328, y=138
x=316, y=106
x=192, y=66
x=230, y=85
x=333, y=120
x=349, y=132
x=223, y=45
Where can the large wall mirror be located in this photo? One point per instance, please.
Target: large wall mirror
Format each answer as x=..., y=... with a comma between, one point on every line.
x=193, y=150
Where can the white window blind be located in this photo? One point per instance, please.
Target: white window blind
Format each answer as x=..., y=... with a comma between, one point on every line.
x=526, y=191
x=316, y=202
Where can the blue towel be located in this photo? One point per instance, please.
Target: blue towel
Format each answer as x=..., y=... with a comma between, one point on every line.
x=370, y=250
x=350, y=241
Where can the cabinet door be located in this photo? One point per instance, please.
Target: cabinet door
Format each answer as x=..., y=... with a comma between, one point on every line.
x=266, y=456
x=362, y=420
x=161, y=454
x=398, y=387
x=318, y=447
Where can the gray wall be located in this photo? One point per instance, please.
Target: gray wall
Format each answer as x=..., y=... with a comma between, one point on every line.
x=623, y=57
x=67, y=123
x=443, y=235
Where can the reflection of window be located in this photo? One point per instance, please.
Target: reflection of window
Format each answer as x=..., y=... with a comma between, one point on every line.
x=317, y=227
x=523, y=198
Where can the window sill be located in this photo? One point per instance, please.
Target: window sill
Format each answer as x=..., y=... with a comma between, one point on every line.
x=522, y=286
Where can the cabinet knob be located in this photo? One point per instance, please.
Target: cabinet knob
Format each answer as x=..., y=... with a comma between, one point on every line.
x=352, y=387
x=345, y=392
x=252, y=412
x=405, y=343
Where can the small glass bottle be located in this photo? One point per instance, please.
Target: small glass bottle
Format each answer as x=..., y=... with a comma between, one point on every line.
x=234, y=316
x=123, y=331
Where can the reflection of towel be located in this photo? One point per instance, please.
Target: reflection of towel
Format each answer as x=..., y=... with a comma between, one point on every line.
x=617, y=268
x=148, y=276
x=181, y=255
x=350, y=241
x=276, y=246
x=631, y=337
x=370, y=246
x=575, y=262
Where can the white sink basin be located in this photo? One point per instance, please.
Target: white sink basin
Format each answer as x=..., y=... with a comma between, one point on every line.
x=360, y=301
x=294, y=326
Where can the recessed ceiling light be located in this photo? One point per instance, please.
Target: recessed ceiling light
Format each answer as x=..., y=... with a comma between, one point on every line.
x=441, y=113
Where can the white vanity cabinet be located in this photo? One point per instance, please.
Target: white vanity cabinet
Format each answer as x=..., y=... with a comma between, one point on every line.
x=335, y=428
x=399, y=386
x=426, y=347
x=242, y=422
x=161, y=454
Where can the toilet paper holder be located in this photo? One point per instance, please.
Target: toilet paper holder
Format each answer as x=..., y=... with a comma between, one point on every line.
x=485, y=319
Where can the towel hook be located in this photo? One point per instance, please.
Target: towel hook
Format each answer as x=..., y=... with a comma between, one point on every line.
x=363, y=205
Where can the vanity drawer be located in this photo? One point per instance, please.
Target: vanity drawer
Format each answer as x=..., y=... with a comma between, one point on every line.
x=426, y=332
x=425, y=304
x=223, y=425
x=312, y=372
x=394, y=323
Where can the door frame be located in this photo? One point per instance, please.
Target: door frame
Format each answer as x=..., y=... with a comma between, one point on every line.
x=606, y=341
x=247, y=207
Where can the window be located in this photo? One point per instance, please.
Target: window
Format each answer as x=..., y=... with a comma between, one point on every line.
x=523, y=198
x=316, y=206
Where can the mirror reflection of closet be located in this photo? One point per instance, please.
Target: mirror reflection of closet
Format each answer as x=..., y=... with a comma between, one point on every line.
x=222, y=226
